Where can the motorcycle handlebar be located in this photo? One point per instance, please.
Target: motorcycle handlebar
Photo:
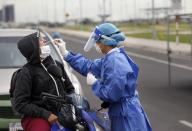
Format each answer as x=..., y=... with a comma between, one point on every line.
x=59, y=99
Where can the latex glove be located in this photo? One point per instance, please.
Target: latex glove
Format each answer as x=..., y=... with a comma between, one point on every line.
x=62, y=46
x=105, y=105
x=91, y=79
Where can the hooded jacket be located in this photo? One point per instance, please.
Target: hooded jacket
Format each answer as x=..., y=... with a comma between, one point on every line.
x=33, y=79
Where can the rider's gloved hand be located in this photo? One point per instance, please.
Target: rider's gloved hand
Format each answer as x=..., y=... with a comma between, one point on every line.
x=52, y=118
x=62, y=46
x=105, y=105
x=91, y=79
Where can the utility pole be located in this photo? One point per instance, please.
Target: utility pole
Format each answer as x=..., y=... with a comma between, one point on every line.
x=135, y=13
x=55, y=12
x=154, y=33
x=168, y=51
x=190, y=22
x=177, y=19
x=103, y=14
x=47, y=11
x=64, y=11
x=110, y=8
x=104, y=7
x=81, y=16
x=104, y=11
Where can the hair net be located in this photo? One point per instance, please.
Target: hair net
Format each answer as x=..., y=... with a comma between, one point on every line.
x=111, y=31
x=107, y=34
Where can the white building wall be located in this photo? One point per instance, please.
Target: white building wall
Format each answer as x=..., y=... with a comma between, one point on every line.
x=55, y=10
x=34, y=11
x=187, y=4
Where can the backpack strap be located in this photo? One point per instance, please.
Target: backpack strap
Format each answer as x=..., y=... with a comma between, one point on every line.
x=13, y=82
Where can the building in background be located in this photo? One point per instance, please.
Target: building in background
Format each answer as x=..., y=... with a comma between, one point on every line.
x=9, y=13
x=30, y=11
x=62, y=11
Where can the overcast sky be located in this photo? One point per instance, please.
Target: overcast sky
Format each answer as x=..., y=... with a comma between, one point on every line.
x=54, y=10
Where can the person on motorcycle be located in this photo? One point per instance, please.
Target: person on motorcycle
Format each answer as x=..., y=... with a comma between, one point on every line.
x=116, y=78
x=33, y=79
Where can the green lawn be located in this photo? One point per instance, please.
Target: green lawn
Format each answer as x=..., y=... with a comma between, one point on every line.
x=145, y=28
x=163, y=36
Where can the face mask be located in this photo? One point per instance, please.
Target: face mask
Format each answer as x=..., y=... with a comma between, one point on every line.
x=45, y=51
x=98, y=49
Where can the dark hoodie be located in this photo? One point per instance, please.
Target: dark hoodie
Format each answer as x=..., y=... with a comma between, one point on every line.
x=29, y=47
x=33, y=79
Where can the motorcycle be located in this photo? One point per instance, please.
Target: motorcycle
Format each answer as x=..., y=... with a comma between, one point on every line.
x=75, y=114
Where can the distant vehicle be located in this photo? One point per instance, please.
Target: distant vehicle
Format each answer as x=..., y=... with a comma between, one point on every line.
x=11, y=59
x=86, y=21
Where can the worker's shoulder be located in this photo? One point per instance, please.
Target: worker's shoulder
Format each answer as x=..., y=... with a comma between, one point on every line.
x=115, y=58
x=115, y=55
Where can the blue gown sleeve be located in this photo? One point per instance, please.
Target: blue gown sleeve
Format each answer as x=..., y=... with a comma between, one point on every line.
x=84, y=65
x=115, y=84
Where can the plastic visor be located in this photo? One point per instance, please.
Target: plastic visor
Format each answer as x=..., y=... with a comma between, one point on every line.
x=94, y=37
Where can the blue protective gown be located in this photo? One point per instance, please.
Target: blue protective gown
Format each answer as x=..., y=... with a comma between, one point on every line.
x=117, y=81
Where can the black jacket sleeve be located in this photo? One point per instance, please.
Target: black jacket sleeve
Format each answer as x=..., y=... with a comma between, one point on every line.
x=22, y=95
x=69, y=88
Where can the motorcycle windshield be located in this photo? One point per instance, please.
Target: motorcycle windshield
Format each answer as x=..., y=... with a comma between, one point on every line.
x=80, y=102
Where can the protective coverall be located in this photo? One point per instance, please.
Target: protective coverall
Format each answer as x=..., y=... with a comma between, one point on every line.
x=117, y=82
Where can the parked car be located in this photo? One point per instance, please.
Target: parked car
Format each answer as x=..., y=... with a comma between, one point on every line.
x=11, y=59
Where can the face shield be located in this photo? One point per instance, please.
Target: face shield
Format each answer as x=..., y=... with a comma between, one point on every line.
x=94, y=37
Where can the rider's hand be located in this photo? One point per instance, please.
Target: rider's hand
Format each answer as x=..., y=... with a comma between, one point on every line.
x=62, y=46
x=52, y=118
x=91, y=79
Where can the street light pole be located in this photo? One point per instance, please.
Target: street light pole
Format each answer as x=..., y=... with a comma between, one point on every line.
x=55, y=13
x=80, y=17
x=153, y=20
x=64, y=11
x=104, y=13
x=110, y=8
x=168, y=51
x=135, y=13
x=47, y=11
x=191, y=34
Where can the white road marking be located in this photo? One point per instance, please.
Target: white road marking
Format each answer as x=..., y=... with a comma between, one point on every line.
x=160, y=61
x=186, y=123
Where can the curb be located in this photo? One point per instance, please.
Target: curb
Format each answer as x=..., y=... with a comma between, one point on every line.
x=139, y=43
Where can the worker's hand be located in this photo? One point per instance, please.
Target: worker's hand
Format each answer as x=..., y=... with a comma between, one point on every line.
x=105, y=105
x=91, y=79
x=62, y=46
x=52, y=118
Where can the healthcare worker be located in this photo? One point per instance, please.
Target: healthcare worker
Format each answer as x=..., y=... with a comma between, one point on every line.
x=113, y=77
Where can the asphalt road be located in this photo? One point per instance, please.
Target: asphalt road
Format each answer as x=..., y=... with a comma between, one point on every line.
x=168, y=108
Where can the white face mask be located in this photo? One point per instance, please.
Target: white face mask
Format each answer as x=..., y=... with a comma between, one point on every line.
x=45, y=51
x=98, y=49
